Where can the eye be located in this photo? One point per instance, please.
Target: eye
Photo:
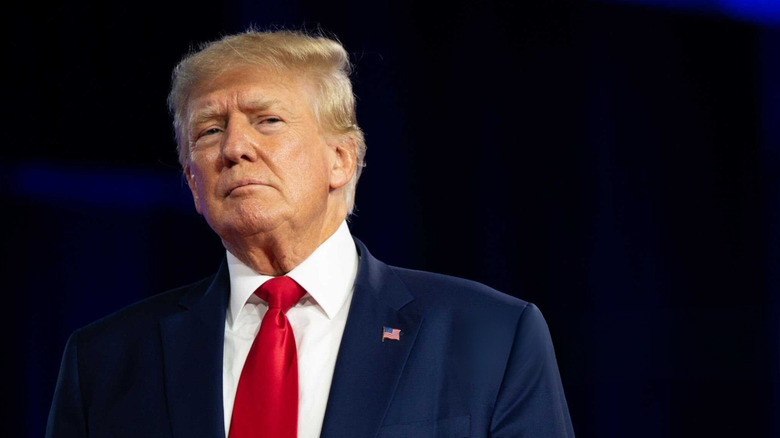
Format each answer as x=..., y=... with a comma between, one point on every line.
x=207, y=133
x=269, y=125
x=207, y=136
x=210, y=132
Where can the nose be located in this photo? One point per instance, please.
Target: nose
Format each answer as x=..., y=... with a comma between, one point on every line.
x=239, y=142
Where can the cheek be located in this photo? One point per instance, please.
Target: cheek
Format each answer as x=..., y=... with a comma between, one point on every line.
x=205, y=170
x=304, y=160
x=314, y=171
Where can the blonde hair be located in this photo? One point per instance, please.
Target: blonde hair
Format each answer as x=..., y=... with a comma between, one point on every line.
x=319, y=58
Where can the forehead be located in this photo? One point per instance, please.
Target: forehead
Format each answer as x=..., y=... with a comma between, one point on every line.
x=251, y=86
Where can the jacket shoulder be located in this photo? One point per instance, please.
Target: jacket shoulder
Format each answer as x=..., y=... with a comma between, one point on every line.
x=442, y=291
x=144, y=313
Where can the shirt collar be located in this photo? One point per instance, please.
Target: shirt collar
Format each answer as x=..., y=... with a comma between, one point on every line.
x=328, y=275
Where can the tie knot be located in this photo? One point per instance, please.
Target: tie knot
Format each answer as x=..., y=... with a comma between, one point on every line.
x=281, y=293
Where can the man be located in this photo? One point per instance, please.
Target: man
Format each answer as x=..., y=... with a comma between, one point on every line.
x=301, y=332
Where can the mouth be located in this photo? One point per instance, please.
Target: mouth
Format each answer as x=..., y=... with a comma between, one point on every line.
x=241, y=184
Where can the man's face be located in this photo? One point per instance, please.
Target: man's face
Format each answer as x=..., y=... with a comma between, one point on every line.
x=259, y=161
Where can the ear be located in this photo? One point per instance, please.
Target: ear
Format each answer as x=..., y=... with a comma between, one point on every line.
x=343, y=160
x=193, y=187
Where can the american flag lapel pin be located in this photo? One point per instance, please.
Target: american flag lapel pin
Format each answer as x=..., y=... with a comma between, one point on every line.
x=391, y=333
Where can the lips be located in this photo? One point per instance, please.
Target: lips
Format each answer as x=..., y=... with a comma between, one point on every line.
x=243, y=182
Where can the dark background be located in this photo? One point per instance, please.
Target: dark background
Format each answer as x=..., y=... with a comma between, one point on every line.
x=617, y=163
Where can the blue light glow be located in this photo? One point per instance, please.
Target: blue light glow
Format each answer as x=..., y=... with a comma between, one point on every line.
x=120, y=187
x=766, y=12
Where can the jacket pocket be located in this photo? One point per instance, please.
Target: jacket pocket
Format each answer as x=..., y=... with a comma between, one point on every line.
x=454, y=427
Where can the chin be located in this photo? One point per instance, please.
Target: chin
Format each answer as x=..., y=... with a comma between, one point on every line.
x=245, y=222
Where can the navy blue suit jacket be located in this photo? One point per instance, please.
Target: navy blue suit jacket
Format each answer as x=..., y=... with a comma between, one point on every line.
x=471, y=362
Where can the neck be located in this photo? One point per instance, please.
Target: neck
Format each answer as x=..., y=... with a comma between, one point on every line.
x=278, y=251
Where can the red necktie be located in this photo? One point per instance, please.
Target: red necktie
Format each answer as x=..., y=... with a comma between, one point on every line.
x=266, y=402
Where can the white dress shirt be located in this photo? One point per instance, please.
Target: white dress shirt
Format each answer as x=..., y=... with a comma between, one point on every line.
x=317, y=320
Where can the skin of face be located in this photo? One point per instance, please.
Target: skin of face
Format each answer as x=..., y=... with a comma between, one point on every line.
x=264, y=174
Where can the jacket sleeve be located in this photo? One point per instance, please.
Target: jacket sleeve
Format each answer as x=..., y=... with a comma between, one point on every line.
x=67, y=415
x=531, y=402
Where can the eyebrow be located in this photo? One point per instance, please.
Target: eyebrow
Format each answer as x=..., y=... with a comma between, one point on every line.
x=217, y=110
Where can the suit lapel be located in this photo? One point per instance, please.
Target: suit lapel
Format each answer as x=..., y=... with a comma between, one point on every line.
x=367, y=369
x=192, y=343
